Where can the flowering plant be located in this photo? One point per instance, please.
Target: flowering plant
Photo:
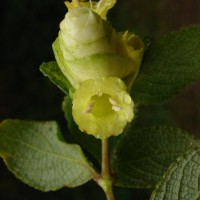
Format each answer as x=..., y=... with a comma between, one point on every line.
x=109, y=81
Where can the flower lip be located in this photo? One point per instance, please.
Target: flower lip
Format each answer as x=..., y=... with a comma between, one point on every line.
x=135, y=42
x=102, y=107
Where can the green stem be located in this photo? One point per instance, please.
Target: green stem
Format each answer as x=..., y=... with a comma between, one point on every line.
x=106, y=179
x=105, y=167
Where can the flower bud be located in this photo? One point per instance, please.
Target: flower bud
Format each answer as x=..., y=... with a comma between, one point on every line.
x=102, y=107
x=88, y=48
x=83, y=33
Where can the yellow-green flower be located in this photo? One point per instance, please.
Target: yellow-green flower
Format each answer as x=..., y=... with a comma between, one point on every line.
x=102, y=107
x=88, y=47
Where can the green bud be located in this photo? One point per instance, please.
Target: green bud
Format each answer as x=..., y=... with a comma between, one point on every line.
x=83, y=33
x=88, y=48
x=102, y=107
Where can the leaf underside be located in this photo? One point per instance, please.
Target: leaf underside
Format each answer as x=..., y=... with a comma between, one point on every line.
x=36, y=153
x=53, y=72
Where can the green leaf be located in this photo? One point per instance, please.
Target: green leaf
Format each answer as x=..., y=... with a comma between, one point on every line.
x=168, y=66
x=37, y=155
x=141, y=157
x=53, y=72
x=89, y=142
x=181, y=181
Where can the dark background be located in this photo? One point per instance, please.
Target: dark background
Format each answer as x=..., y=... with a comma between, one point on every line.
x=27, y=30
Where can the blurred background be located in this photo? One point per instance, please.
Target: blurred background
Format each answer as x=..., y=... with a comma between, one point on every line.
x=27, y=30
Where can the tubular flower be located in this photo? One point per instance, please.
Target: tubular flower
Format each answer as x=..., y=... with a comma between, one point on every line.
x=102, y=107
x=88, y=47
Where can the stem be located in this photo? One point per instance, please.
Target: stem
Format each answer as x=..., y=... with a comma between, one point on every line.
x=105, y=167
x=106, y=179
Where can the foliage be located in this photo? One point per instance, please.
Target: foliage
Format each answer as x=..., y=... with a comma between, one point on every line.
x=168, y=66
x=160, y=157
x=36, y=153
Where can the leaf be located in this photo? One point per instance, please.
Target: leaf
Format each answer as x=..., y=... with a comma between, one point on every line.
x=168, y=66
x=35, y=153
x=53, y=72
x=89, y=142
x=181, y=181
x=141, y=157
